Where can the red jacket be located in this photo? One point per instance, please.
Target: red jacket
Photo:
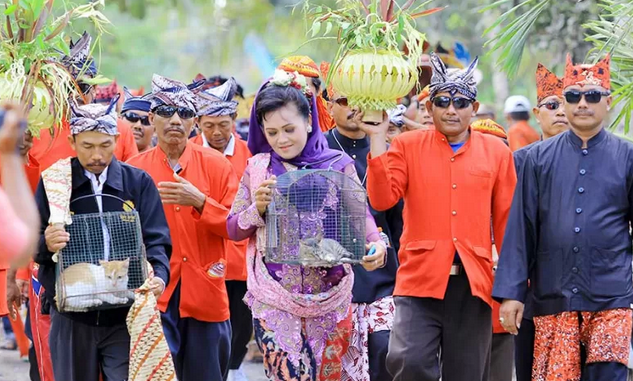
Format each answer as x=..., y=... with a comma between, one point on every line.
x=198, y=260
x=235, y=251
x=448, y=200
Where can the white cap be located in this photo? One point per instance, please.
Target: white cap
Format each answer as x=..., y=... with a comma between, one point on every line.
x=517, y=103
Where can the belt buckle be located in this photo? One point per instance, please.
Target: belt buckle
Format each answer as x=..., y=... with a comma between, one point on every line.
x=456, y=269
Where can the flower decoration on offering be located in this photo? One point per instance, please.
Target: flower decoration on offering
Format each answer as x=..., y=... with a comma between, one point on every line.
x=31, y=38
x=370, y=68
x=296, y=80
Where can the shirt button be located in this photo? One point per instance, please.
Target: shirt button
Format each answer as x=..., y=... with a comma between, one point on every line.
x=574, y=270
x=354, y=157
x=454, y=186
x=578, y=210
x=184, y=259
x=574, y=290
x=582, y=171
x=581, y=190
x=577, y=229
x=454, y=212
x=455, y=239
x=576, y=249
x=585, y=152
x=452, y=159
x=177, y=209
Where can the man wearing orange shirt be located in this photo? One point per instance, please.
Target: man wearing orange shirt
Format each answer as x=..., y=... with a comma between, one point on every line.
x=49, y=148
x=520, y=133
x=452, y=181
x=197, y=187
x=217, y=112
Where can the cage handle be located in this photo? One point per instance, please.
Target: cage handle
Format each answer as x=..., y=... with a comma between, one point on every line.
x=128, y=203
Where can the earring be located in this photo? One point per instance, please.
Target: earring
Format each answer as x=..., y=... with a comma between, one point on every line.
x=309, y=129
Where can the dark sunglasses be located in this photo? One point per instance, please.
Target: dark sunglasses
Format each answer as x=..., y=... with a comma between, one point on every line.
x=591, y=96
x=84, y=87
x=458, y=102
x=551, y=105
x=134, y=118
x=341, y=101
x=169, y=111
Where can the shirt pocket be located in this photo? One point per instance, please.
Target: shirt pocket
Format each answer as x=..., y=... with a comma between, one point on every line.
x=483, y=253
x=548, y=274
x=610, y=272
x=420, y=246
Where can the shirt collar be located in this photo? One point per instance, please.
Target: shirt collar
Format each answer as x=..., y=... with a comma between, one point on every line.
x=230, y=147
x=349, y=142
x=103, y=176
x=577, y=141
x=184, y=158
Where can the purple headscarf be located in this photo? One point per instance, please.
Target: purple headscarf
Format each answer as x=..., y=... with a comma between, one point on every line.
x=315, y=155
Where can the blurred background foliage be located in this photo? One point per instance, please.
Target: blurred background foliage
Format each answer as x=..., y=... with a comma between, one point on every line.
x=246, y=38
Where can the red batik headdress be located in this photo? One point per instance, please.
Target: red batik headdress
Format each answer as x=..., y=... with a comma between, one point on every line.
x=489, y=126
x=598, y=74
x=547, y=84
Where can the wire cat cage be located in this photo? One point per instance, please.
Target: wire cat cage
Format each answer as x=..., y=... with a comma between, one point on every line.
x=104, y=261
x=316, y=218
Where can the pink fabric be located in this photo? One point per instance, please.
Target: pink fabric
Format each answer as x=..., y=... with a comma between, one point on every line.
x=14, y=232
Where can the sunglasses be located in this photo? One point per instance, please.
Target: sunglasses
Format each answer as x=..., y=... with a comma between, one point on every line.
x=551, y=105
x=591, y=96
x=169, y=111
x=458, y=102
x=84, y=87
x=341, y=102
x=134, y=118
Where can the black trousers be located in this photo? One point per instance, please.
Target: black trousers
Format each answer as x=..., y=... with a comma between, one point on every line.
x=501, y=357
x=460, y=325
x=79, y=352
x=524, y=350
x=200, y=349
x=378, y=343
x=241, y=322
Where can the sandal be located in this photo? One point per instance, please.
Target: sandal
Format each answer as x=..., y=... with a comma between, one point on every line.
x=9, y=346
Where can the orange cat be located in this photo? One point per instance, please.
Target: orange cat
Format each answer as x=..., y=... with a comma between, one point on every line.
x=87, y=285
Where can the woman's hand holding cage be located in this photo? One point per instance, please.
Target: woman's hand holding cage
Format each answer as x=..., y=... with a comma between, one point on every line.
x=264, y=195
x=376, y=256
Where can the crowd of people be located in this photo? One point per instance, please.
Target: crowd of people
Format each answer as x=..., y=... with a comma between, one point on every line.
x=456, y=204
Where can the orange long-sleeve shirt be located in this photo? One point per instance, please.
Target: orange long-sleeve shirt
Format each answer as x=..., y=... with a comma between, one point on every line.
x=198, y=260
x=48, y=149
x=521, y=134
x=448, y=200
x=235, y=251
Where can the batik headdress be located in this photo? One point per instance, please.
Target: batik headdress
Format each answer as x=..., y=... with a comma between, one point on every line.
x=79, y=61
x=598, y=74
x=218, y=101
x=426, y=91
x=135, y=103
x=94, y=117
x=325, y=71
x=106, y=93
x=547, y=84
x=453, y=80
x=489, y=126
x=396, y=115
x=303, y=65
x=170, y=92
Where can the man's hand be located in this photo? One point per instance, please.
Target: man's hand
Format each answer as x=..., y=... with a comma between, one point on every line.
x=56, y=237
x=157, y=286
x=14, y=299
x=510, y=315
x=11, y=133
x=372, y=130
x=264, y=195
x=181, y=192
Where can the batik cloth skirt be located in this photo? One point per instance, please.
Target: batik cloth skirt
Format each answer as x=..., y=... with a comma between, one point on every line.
x=279, y=367
x=605, y=335
x=366, y=319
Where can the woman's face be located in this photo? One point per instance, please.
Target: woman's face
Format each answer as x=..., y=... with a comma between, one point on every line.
x=286, y=131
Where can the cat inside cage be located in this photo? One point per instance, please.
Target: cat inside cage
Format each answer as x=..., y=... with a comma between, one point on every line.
x=103, y=263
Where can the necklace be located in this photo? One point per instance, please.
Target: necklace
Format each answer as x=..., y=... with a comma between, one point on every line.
x=334, y=132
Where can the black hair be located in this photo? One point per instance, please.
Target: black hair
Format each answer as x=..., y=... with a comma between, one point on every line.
x=274, y=97
x=317, y=83
x=520, y=115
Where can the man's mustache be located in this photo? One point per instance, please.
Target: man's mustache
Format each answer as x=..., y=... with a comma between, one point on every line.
x=97, y=164
x=583, y=113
